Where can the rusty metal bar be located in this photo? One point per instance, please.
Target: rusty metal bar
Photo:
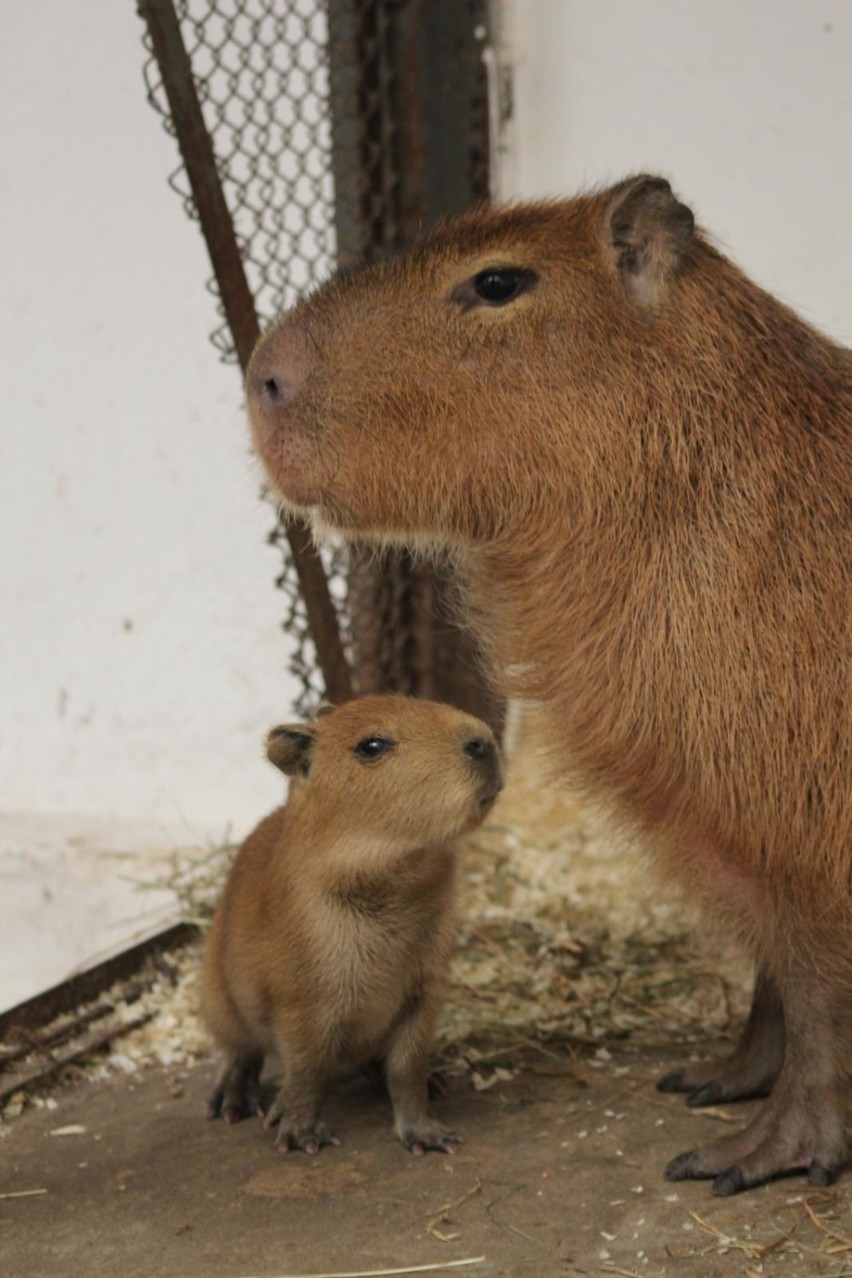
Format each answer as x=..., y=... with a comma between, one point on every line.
x=29, y=1017
x=322, y=618
x=217, y=226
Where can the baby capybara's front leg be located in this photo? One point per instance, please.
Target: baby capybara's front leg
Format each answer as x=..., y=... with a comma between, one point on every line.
x=295, y=1112
x=802, y=1125
x=407, y=1072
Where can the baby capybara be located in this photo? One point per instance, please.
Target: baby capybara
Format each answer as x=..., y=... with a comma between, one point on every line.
x=333, y=938
x=642, y=465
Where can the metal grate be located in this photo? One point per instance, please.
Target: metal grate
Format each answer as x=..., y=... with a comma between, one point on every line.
x=337, y=132
x=261, y=70
x=303, y=662
x=261, y=74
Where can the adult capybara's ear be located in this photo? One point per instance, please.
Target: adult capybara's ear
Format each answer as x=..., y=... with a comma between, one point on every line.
x=290, y=748
x=648, y=232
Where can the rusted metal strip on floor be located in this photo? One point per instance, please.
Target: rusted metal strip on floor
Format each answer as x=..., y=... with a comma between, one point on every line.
x=42, y=1064
x=45, y=1034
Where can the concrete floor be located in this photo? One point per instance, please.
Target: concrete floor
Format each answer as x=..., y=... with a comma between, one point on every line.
x=560, y=1175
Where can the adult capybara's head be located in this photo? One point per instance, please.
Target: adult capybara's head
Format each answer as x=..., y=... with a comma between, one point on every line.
x=399, y=399
x=390, y=769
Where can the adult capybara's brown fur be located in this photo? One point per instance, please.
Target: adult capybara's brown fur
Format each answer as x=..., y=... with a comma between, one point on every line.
x=642, y=465
x=333, y=938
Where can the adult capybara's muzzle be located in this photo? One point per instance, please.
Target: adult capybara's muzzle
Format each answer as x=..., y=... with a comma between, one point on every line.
x=275, y=384
x=276, y=374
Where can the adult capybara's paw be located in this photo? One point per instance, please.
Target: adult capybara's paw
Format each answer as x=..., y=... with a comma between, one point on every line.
x=785, y=1137
x=715, y=1082
x=753, y=1066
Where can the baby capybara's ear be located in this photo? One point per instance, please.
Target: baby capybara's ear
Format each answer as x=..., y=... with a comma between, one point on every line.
x=290, y=748
x=649, y=233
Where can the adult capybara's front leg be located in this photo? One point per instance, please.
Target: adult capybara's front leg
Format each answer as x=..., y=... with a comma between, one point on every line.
x=752, y=1067
x=802, y=1125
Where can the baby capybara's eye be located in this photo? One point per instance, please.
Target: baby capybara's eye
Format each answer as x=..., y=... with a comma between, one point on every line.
x=373, y=748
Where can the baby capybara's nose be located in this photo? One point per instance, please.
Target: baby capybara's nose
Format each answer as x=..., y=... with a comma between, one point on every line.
x=483, y=753
x=276, y=374
x=478, y=748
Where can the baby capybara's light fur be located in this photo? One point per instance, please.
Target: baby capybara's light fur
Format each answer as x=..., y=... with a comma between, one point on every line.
x=333, y=938
x=642, y=465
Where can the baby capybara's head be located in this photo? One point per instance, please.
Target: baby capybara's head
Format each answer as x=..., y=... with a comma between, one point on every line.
x=437, y=394
x=391, y=768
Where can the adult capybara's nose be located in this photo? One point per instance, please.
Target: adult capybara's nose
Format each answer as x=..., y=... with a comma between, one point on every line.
x=276, y=374
x=272, y=392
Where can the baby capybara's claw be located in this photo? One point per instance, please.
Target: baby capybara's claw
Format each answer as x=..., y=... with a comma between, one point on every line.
x=307, y=1140
x=420, y=1139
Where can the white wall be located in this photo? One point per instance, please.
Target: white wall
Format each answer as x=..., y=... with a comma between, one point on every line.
x=746, y=105
x=140, y=655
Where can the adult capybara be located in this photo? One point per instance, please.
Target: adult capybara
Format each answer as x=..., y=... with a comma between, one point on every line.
x=641, y=464
x=333, y=938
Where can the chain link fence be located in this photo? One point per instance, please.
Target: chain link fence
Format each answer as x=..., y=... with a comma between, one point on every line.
x=261, y=70
x=330, y=145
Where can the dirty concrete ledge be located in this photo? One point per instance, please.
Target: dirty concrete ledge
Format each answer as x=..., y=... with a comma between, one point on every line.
x=560, y=1175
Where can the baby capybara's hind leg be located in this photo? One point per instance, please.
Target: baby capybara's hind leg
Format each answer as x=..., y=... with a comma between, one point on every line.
x=237, y=1093
x=802, y=1125
x=752, y=1067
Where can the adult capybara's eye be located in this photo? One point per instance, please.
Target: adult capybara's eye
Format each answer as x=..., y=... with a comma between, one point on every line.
x=372, y=748
x=498, y=287
x=495, y=286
